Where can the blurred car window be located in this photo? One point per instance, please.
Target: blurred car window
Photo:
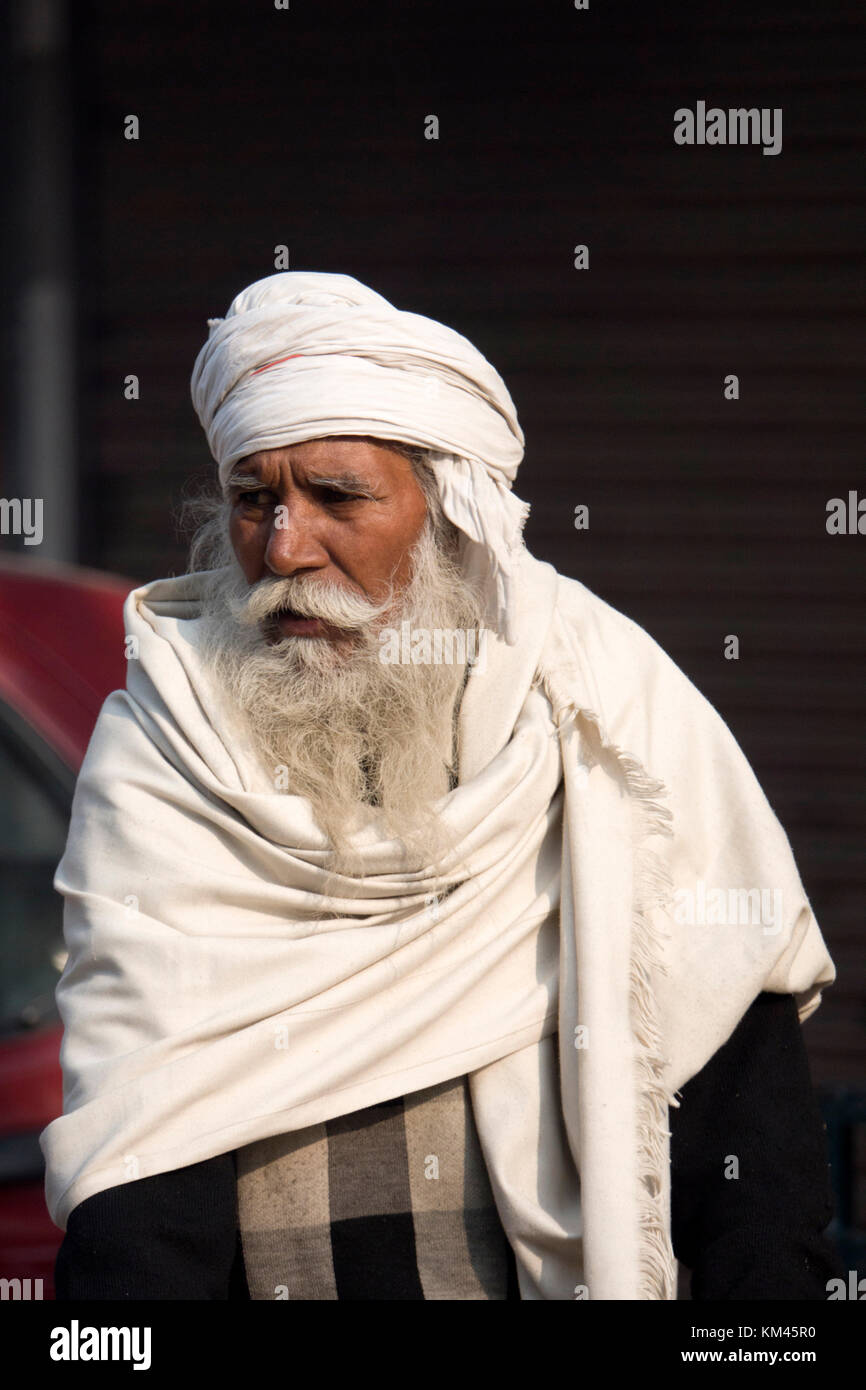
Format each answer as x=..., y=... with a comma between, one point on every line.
x=33, y=827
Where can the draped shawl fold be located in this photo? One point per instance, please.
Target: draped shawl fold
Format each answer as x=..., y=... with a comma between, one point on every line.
x=209, y=1000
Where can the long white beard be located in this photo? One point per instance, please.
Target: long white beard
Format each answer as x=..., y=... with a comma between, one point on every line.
x=330, y=720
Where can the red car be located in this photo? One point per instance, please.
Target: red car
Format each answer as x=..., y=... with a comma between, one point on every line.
x=61, y=654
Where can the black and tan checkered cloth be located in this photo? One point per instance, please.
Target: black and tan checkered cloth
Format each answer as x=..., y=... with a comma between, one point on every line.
x=389, y=1202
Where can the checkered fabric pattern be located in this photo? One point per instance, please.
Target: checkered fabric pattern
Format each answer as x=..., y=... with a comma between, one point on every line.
x=389, y=1202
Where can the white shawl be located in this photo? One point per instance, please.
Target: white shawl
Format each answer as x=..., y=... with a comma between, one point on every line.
x=209, y=1003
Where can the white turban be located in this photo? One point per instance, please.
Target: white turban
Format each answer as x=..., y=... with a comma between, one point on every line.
x=300, y=355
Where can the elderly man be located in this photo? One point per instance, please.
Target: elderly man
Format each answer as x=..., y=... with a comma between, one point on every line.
x=429, y=935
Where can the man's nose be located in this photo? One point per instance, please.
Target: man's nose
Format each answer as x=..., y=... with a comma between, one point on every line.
x=294, y=542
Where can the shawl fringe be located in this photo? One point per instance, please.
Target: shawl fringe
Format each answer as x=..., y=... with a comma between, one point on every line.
x=653, y=890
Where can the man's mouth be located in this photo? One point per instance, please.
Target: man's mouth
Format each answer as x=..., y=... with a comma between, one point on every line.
x=291, y=624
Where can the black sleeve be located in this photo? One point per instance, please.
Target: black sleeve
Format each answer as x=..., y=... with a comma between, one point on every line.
x=171, y=1236
x=758, y=1235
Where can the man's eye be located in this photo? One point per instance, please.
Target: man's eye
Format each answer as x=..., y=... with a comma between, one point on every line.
x=253, y=497
x=333, y=494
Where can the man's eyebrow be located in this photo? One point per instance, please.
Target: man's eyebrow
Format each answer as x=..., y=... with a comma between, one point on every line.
x=343, y=482
x=346, y=482
x=241, y=479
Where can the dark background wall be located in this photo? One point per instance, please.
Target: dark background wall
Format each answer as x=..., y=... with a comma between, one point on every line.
x=305, y=127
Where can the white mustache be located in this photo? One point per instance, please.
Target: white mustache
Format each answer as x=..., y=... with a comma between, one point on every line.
x=332, y=603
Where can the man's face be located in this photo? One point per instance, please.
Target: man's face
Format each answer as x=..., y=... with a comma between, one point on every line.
x=352, y=513
x=318, y=707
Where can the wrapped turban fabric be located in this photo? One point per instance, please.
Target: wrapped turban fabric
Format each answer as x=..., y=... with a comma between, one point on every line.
x=206, y=1003
x=301, y=355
